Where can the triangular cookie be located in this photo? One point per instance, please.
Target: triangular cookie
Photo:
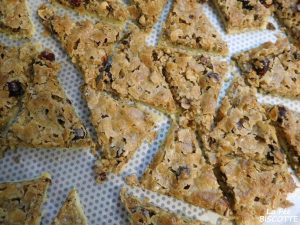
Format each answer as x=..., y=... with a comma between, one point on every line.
x=71, y=213
x=244, y=15
x=243, y=148
x=15, y=19
x=287, y=123
x=287, y=13
x=115, y=10
x=121, y=127
x=141, y=212
x=146, y=13
x=188, y=27
x=47, y=118
x=195, y=82
x=272, y=68
x=88, y=44
x=180, y=170
x=134, y=75
x=21, y=202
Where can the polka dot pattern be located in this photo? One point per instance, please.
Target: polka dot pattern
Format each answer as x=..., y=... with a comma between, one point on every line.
x=74, y=168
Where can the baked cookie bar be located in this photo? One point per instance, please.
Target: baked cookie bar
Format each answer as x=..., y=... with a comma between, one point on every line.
x=188, y=27
x=121, y=128
x=114, y=10
x=47, y=118
x=134, y=75
x=256, y=188
x=87, y=44
x=71, y=212
x=146, y=12
x=15, y=19
x=195, y=82
x=288, y=13
x=144, y=213
x=243, y=148
x=21, y=202
x=244, y=15
x=180, y=170
x=272, y=68
x=15, y=68
x=288, y=129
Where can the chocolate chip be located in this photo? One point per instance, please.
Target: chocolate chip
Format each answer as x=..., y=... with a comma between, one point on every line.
x=262, y=66
x=47, y=55
x=79, y=133
x=75, y=3
x=15, y=88
x=246, y=4
x=213, y=75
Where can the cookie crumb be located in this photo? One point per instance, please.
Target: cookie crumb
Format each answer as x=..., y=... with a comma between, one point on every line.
x=271, y=26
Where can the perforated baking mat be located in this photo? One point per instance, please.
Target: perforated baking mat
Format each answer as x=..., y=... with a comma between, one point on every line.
x=74, y=168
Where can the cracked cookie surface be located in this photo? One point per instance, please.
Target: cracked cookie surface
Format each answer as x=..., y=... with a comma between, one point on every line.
x=287, y=123
x=71, y=212
x=188, y=27
x=88, y=44
x=288, y=13
x=15, y=19
x=244, y=15
x=272, y=68
x=179, y=170
x=21, y=202
x=144, y=213
x=114, y=10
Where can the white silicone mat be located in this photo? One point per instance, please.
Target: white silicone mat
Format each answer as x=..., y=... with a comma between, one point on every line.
x=73, y=168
